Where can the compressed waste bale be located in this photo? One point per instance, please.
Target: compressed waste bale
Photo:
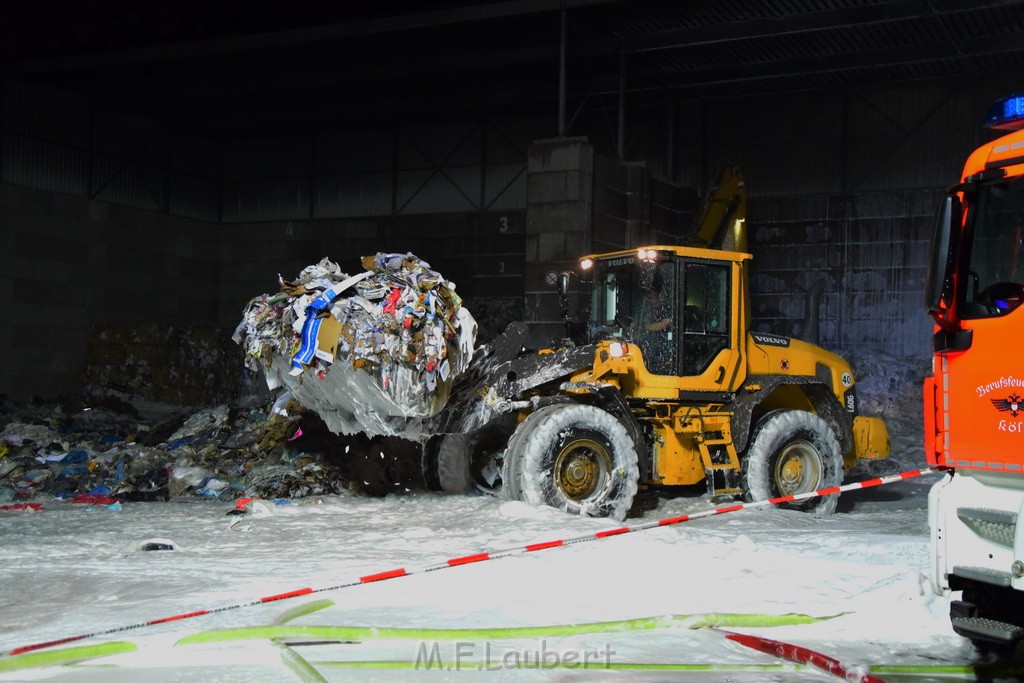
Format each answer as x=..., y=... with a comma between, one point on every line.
x=375, y=353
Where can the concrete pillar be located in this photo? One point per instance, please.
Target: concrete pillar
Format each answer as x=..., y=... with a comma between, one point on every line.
x=559, y=227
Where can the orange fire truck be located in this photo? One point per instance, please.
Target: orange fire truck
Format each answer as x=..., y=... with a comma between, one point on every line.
x=974, y=402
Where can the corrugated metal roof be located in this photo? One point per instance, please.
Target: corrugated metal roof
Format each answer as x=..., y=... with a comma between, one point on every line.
x=363, y=67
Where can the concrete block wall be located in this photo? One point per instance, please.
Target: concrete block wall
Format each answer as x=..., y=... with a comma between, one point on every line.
x=632, y=208
x=68, y=263
x=622, y=205
x=253, y=255
x=624, y=208
x=871, y=251
x=164, y=363
x=672, y=211
x=559, y=228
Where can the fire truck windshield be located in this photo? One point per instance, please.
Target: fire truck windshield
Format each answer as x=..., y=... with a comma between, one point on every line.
x=995, y=282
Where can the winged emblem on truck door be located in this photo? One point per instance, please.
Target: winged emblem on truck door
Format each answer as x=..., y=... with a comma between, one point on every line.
x=1011, y=404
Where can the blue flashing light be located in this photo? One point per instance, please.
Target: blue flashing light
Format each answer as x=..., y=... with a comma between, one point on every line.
x=1006, y=114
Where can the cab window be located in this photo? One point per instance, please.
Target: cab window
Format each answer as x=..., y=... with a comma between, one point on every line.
x=705, y=315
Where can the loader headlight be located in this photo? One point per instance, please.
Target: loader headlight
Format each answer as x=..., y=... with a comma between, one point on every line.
x=647, y=254
x=586, y=264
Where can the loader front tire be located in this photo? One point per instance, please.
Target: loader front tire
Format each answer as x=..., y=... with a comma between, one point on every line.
x=793, y=452
x=472, y=463
x=576, y=458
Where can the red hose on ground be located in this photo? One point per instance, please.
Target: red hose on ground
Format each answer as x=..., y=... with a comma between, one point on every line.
x=801, y=655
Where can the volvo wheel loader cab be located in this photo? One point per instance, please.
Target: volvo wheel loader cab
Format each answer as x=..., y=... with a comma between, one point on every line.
x=667, y=386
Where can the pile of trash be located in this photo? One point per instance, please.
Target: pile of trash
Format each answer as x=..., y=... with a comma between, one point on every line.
x=373, y=353
x=106, y=451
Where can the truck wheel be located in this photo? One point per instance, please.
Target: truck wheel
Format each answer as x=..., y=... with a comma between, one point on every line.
x=576, y=458
x=472, y=463
x=791, y=452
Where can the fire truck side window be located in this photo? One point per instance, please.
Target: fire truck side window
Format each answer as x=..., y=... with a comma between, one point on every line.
x=995, y=284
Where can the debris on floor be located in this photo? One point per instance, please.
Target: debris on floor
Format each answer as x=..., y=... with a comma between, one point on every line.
x=372, y=353
x=108, y=453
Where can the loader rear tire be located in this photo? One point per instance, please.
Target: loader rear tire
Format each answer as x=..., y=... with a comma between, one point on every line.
x=576, y=458
x=792, y=452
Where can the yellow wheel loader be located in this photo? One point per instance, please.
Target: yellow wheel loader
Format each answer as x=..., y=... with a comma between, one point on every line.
x=668, y=386
x=665, y=385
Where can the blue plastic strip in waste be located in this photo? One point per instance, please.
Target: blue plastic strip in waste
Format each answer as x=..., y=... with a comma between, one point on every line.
x=310, y=330
x=311, y=327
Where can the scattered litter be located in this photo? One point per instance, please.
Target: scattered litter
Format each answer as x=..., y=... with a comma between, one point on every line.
x=158, y=544
x=23, y=507
x=96, y=499
x=203, y=421
x=259, y=508
x=266, y=446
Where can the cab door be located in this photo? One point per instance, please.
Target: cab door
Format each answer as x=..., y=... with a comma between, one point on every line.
x=709, y=355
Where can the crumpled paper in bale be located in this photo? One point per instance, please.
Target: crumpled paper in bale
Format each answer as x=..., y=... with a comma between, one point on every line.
x=375, y=353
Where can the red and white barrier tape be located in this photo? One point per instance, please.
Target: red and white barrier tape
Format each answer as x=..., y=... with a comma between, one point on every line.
x=493, y=555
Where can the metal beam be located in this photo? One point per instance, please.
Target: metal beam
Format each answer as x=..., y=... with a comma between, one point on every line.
x=149, y=83
x=211, y=83
x=233, y=79
x=807, y=22
x=804, y=66
x=394, y=24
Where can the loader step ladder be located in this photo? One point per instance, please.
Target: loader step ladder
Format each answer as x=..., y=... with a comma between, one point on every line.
x=709, y=432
